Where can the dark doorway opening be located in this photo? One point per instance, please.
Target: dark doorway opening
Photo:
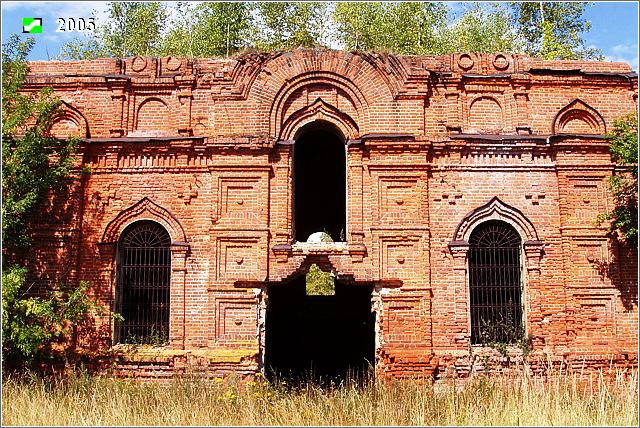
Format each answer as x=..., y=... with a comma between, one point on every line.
x=319, y=171
x=321, y=338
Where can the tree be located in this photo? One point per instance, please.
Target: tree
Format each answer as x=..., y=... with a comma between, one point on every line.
x=208, y=29
x=623, y=144
x=553, y=30
x=133, y=28
x=400, y=27
x=319, y=282
x=415, y=27
x=288, y=25
x=355, y=23
x=32, y=326
x=484, y=28
x=82, y=49
x=33, y=164
x=32, y=161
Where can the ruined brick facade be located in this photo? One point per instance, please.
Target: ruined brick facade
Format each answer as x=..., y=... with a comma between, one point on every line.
x=435, y=146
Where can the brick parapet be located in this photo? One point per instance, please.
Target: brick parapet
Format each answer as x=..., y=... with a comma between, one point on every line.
x=513, y=87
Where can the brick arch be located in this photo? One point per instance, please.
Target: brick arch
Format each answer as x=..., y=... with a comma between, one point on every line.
x=69, y=121
x=578, y=117
x=486, y=115
x=145, y=209
x=153, y=116
x=319, y=111
x=277, y=117
x=495, y=209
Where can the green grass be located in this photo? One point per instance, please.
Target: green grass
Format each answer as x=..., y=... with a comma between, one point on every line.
x=85, y=400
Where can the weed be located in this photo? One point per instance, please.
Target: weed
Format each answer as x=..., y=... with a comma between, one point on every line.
x=496, y=400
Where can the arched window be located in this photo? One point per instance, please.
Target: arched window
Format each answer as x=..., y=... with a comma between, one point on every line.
x=142, y=291
x=319, y=183
x=495, y=283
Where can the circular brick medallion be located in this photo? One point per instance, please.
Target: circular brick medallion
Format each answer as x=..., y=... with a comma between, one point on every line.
x=500, y=62
x=173, y=63
x=138, y=63
x=465, y=61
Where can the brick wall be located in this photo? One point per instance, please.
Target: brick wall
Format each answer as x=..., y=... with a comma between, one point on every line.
x=436, y=146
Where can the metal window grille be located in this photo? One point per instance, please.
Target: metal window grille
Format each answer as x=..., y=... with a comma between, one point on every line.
x=495, y=284
x=143, y=277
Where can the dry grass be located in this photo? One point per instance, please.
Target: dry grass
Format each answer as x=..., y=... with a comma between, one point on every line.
x=83, y=400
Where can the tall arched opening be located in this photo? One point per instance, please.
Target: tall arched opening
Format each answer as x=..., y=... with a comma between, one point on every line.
x=319, y=182
x=143, y=284
x=495, y=283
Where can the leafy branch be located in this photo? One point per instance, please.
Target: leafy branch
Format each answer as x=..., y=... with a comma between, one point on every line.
x=623, y=145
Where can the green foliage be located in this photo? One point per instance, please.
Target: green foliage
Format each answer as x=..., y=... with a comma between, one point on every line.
x=288, y=25
x=22, y=332
x=623, y=144
x=133, y=28
x=525, y=343
x=33, y=163
x=31, y=326
x=499, y=333
x=400, y=27
x=208, y=29
x=319, y=282
x=484, y=28
x=82, y=49
x=553, y=30
x=157, y=337
x=355, y=23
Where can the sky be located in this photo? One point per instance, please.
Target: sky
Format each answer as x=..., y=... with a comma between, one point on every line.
x=614, y=26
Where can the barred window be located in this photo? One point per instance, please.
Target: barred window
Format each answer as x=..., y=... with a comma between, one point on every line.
x=142, y=284
x=495, y=284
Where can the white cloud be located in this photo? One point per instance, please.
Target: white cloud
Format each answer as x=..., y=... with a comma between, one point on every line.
x=624, y=49
x=624, y=53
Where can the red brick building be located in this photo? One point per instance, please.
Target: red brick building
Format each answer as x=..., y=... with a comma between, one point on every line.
x=461, y=193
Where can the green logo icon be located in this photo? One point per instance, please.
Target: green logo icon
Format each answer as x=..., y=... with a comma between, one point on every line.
x=32, y=25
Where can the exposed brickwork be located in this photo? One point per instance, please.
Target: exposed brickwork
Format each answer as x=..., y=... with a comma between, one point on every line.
x=436, y=145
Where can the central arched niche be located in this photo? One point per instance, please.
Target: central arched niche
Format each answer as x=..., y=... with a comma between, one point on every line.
x=319, y=182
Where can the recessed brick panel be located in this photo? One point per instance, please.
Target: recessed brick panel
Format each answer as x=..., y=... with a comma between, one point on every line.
x=241, y=200
x=235, y=320
x=597, y=318
x=237, y=258
x=399, y=199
